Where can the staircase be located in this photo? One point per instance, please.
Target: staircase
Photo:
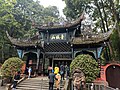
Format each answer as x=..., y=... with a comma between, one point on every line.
x=38, y=83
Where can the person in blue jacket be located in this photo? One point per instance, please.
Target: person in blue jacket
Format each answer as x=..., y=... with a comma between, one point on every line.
x=51, y=79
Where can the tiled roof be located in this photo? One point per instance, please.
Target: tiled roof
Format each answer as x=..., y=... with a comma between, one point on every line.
x=33, y=41
x=90, y=39
x=67, y=25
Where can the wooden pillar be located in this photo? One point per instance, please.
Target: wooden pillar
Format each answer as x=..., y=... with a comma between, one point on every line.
x=96, y=54
x=38, y=55
x=99, y=65
x=27, y=63
x=67, y=36
x=43, y=64
x=47, y=36
x=52, y=62
x=72, y=50
x=99, y=62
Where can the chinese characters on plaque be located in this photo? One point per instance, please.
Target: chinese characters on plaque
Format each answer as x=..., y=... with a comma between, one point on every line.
x=61, y=36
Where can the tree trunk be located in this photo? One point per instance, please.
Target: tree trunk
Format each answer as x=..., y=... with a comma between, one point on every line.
x=105, y=16
x=96, y=3
x=111, y=51
x=115, y=15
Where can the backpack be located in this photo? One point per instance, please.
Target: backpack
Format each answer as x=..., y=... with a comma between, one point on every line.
x=56, y=70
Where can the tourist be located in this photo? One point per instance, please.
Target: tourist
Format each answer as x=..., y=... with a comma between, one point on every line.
x=67, y=70
x=51, y=79
x=57, y=81
x=29, y=72
x=62, y=71
x=16, y=79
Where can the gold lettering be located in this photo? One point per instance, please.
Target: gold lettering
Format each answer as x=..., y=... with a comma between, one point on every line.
x=62, y=36
x=53, y=37
x=57, y=37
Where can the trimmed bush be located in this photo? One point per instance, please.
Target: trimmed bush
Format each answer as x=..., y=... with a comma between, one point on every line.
x=10, y=66
x=88, y=65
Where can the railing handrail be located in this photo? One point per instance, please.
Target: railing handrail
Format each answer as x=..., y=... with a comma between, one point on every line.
x=96, y=86
x=91, y=86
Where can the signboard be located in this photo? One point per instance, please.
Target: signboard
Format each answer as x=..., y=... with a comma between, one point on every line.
x=60, y=36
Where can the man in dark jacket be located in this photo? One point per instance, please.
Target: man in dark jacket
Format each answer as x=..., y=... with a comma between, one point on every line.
x=16, y=79
x=62, y=71
x=51, y=79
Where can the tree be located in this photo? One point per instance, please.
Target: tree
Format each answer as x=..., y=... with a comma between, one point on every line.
x=11, y=66
x=104, y=10
x=7, y=20
x=51, y=14
x=88, y=65
x=74, y=8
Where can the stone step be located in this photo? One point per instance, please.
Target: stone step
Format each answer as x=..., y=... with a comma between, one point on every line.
x=35, y=86
x=34, y=89
x=38, y=83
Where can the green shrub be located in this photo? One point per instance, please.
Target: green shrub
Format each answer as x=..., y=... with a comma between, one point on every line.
x=10, y=66
x=88, y=65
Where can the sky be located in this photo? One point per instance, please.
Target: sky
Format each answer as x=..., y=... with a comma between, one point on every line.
x=59, y=3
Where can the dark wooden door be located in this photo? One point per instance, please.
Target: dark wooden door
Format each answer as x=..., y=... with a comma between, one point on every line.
x=59, y=62
x=113, y=76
